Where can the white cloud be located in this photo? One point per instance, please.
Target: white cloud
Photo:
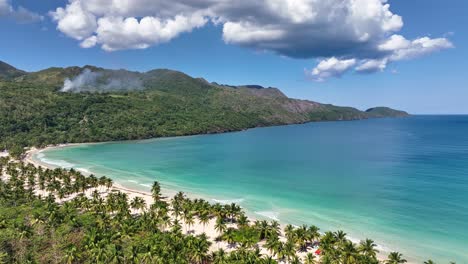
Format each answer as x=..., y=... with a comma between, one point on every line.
x=420, y=47
x=244, y=32
x=116, y=33
x=20, y=14
x=89, y=42
x=331, y=67
x=372, y=65
x=395, y=42
x=74, y=21
x=364, y=31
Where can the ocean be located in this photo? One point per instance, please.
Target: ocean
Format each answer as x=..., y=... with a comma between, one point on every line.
x=402, y=182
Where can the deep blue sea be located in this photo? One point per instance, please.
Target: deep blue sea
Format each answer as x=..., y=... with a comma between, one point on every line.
x=402, y=182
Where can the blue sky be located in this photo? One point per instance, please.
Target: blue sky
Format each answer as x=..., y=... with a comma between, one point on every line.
x=433, y=83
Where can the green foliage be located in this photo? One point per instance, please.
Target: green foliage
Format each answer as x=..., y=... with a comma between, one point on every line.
x=385, y=112
x=68, y=225
x=33, y=112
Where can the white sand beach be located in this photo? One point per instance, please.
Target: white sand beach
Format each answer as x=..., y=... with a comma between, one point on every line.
x=196, y=228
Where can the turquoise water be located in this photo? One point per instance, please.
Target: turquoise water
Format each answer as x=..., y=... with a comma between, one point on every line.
x=402, y=182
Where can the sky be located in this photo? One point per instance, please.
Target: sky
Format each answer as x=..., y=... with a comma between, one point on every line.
x=410, y=55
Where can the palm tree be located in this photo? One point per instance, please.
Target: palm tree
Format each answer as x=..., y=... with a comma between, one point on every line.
x=138, y=203
x=243, y=221
x=295, y=260
x=268, y=260
x=275, y=228
x=204, y=219
x=340, y=236
x=367, y=248
x=219, y=257
x=189, y=221
x=289, y=250
x=310, y=259
x=429, y=262
x=230, y=236
x=301, y=237
x=349, y=253
x=108, y=183
x=262, y=227
x=220, y=226
x=156, y=191
x=313, y=233
x=272, y=244
x=289, y=232
x=395, y=258
x=200, y=248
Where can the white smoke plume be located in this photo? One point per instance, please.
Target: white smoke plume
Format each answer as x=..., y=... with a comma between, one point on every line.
x=89, y=81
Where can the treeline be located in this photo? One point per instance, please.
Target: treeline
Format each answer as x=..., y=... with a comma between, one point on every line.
x=38, y=115
x=64, y=225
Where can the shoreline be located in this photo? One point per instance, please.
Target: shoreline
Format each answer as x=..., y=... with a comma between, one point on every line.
x=196, y=228
x=168, y=193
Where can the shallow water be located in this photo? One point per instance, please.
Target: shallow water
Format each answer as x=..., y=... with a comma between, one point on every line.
x=402, y=182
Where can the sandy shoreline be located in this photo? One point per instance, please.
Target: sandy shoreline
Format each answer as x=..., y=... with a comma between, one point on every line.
x=196, y=228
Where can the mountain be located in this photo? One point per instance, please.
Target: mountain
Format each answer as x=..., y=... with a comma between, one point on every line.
x=385, y=112
x=8, y=72
x=90, y=104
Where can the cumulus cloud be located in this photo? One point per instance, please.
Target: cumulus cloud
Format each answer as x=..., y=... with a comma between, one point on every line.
x=20, y=14
x=395, y=48
x=372, y=65
x=364, y=31
x=331, y=67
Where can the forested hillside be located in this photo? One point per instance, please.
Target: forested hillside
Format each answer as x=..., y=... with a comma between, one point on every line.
x=95, y=104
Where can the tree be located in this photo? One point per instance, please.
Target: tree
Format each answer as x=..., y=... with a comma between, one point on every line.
x=367, y=248
x=204, y=218
x=138, y=203
x=219, y=257
x=395, y=258
x=156, y=191
x=220, y=225
x=310, y=259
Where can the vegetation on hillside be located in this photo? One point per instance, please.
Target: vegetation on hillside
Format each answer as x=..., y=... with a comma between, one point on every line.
x=385, y=112
x=34, y=112
x=67, y=226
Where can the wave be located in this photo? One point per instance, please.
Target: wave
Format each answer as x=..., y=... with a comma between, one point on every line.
x=228, y=201
x=269, y=214
x=84, y=170
x=132, y=181
x=145, y=185
x=58, y=163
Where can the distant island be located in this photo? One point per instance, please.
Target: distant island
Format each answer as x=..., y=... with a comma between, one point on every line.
x=91, y=104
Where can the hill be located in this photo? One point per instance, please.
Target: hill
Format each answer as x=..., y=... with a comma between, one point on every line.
x=8, y=72
x=89, y=104
x=385, y=112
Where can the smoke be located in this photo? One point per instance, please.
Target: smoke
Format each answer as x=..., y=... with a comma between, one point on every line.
x=89, y=81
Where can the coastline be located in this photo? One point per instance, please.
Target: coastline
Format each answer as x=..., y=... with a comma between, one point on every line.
x=196, y=228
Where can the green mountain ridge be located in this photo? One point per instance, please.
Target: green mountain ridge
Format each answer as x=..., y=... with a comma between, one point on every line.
x=125, y=105
x=383, y=111
x=9, y=72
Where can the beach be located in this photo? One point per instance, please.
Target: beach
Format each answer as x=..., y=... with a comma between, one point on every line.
x=393, y=183
x=195, y=228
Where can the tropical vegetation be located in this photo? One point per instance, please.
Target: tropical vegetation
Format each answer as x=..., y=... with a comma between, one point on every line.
x=62, y=216
x=35, y=112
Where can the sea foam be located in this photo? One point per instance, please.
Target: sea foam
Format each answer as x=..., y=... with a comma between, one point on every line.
x=269, y=214
x=236, y=201
x=58, y=163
